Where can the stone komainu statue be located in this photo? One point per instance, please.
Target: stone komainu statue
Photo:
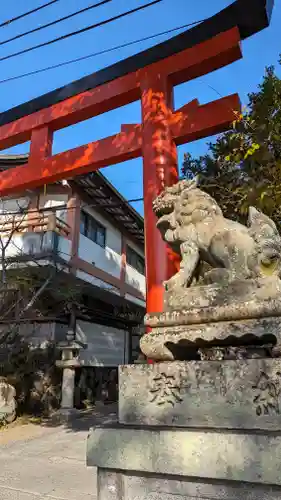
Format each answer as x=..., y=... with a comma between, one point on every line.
x=192, y=223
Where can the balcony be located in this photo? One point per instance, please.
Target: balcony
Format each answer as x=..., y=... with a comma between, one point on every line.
x=34, y=222
x=44, y=238
x=38, y=234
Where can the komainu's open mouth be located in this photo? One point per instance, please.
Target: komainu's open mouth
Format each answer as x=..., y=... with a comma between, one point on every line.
x=162, y=207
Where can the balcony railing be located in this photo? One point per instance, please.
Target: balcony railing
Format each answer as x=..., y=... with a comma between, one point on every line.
x=37, y=222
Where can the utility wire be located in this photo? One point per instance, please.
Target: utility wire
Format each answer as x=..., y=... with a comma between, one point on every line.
x=56, y=21
x=25, y=14
x=78, y=32
x=95, y=54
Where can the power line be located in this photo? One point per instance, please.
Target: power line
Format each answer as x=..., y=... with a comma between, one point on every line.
x=25, y=14
x=95, y=54
x=134, y=200
x=56, y=21
x=78, y=32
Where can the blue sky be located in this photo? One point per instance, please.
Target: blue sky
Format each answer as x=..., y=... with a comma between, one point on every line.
x=243, y=76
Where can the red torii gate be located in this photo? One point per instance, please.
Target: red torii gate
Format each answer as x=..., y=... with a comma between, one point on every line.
x=149, y=76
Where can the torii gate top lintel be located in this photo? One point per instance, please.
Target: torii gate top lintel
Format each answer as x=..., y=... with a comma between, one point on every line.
x=150, y=77
x=249, y=16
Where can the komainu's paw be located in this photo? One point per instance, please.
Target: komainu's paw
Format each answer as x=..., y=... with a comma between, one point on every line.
x=219, y=276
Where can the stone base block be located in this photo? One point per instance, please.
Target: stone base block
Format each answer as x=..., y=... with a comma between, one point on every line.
x=169, y=342
x=241, y=394
x=130, y=485
x=172, y=464
x=247, y=295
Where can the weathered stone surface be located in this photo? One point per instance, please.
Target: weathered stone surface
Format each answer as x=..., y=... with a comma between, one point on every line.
x=224, y=456
x=191, y=221
x=238, y=292
x=165, y=343
x=110, y=485
x=7, y=401
x=169, y=488
x=241, y=394
x=230, y=312
x=115, y=485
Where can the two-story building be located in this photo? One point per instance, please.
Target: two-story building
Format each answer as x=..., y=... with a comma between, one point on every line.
x=92, y=240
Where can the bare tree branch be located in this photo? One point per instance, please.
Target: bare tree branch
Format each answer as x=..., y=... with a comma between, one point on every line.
x=29, y=285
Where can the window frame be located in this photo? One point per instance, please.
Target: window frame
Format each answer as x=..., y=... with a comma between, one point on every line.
x=92, y=228
x=136, y=255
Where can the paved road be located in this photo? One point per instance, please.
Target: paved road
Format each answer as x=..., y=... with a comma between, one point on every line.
x=49, y=463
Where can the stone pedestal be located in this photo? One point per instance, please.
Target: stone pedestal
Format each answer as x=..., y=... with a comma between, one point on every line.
x=205, y=427
x=243, y=314
x=114, y=485
x=244, y=395
x=205, y=421
x=193, y=430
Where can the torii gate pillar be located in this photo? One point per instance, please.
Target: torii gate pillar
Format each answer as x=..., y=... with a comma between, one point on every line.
x=159, y=170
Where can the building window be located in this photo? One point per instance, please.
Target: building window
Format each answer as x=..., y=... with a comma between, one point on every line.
x=92, y=229
x=135, y=260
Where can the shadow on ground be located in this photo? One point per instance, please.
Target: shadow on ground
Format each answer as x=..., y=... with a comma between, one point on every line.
x=78, y=420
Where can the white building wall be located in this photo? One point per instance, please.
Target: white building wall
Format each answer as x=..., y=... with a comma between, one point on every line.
x=104, y=258
x=13, y=205
x=135, y=279
x=20, y=241
x=106, y=346
x=10, y=209
x=132, y=276
x=35, y=243
x=109, y=259
x=54, y=201
x=113, y=236
x=64, y=248
x=15, y=247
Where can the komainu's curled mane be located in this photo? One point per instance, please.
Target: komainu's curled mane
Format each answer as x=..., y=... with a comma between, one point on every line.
x=192, y=223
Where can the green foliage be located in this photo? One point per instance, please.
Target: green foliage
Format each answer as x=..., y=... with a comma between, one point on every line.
x=243, y=166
